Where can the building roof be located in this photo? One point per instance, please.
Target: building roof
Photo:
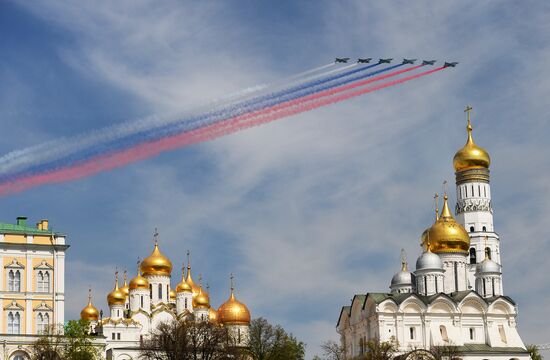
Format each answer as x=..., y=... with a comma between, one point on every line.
x=484, y=349
x=6, y=228
x=347, y=310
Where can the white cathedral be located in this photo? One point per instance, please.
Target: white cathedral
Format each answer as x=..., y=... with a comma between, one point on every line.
x=455, y=295
x=138, y=307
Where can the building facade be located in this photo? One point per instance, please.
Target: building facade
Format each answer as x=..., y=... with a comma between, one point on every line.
x=149, y=299
x=454, y=298
x=32, y=284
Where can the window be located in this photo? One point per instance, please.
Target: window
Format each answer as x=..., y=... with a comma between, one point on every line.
x=472, y=333
x=185, y=303
x=160, y=291
x=484, y=228
x=479, y=189
x=484, y=288
x=239, y=338
x=118, y=336
x=425, y=285
x=443, y=332
x=436, y=289
x=14, y=280
x=502, y=333
x=150, y=291
x=141, y=300
x=488, y=252
x=472, y=229
x=411, y=333
x=113, y=336
x=43, y=284
x=485, y=191
x=42, y=322
x=493, y=285
x=473, y=259
x=14, y=323
x=18, y=357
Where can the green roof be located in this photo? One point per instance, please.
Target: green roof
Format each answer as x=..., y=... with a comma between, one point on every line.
x=23, y=229
x=484, y=349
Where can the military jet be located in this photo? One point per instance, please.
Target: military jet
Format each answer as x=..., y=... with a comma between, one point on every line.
x=450, y=64
x=409, y=61
x=428, y=62
x=341, y=60
x=387, y=61
x=364, y=60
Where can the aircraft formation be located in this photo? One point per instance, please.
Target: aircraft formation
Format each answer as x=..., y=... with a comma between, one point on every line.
x=389, y=60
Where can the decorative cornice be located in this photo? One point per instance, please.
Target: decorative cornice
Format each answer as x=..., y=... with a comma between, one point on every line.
x=472, y=175
x=470, y=205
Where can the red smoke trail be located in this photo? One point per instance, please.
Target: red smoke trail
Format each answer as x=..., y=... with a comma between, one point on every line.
x=149, y=149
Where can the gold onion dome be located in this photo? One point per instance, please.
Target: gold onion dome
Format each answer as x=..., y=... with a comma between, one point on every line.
x=233, y=312
x=202, y=300
x=116, y=297
x=446, y=235
x=139, y=282
x=156, y=263
x=172, y=294
x=183, y=286
x=125, y=288
x=189, y=280
x=90, y=312
x=213, y=316
x=471, y=156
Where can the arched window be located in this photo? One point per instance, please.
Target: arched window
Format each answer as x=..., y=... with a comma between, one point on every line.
x=40, y=284
x=160, y=291
x=502, y=334
x=151, y=291
x=488, y=252
x=484, y=228
x=14, y=323
x=472, y=334
x=18, y=357
x=472, y=229
x=239, y=339
x=473, y=259
x=46, y=282
x=42, y=322
x=17, y=281
x=411, y=333
x=141, y=301
x=11, y=279
x=443, y=331
x=185, y=305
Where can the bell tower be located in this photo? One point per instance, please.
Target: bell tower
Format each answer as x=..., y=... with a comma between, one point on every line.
x=474, y=208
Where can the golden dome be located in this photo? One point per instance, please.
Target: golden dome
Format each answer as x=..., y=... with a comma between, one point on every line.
x=471, y=156
x=183, y=286
x=213, y=316
x=446, y=235
x=90, y=312
x=233, y=312
x=116, y=297
x=139, y=282
x=125, y=288
x=202, y=300
x=189, y=280
x=172, y=294
x=156, y=263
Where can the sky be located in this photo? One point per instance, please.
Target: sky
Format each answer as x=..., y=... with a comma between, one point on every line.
x=306, y=211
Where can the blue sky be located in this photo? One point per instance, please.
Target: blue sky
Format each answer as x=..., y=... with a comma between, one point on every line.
x=309, y=210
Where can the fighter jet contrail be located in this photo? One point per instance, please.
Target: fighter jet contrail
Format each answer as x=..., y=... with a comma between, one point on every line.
x=268, y=111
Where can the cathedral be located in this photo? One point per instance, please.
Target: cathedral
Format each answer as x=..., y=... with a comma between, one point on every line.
x=455, y=297
x=139, y=306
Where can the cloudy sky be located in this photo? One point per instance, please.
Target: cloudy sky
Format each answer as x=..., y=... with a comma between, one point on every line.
x=306, y=211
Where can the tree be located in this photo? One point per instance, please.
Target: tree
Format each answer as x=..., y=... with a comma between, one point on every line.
x=376, y=350
x=534, y=352
x=74, y=343
x=333, y=351
x=272, y=342
x=190, y=340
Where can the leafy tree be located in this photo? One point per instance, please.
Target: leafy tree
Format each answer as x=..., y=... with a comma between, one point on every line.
x=74, y=343
x=272, y=342
x=534, y=352
x=376, y=350
x=190, y=340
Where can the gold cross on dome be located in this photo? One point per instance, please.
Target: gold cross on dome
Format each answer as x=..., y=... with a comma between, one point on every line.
x=468, y=110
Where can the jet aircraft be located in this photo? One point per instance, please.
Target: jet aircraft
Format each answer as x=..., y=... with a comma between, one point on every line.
x=428, y=62
x=409, y=61
x=387, y=61
x=364, y=60
x=341, y=60
x=450, y=64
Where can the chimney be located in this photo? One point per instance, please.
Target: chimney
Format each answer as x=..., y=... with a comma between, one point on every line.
x=44, y=224
x=22, y=220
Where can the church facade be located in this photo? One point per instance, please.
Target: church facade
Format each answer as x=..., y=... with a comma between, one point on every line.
x=137, y=307
x=454, y=298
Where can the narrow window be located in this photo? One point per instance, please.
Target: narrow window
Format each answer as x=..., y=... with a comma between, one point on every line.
x=239, y=337
x=10, y=323
x=160, y=291
x=484, y=228
x=40, y=282
x=185, y=303
x=488, y=252
x=502, y=334
x=493, y=285
x=425, y=285
x=472, y=229
x=466, y=188
x=472, y=334
x=40, y=323
x=473, y=259
x=473, y=194
x=151, y=291
x=141, y=301
x=168, y=292
x=485, y=191
x=11, y=281
x=118, y=336
x=479, y=190
x=113, y=336
x=436, y=289
x=484, y=288
x=46, y=285
x=411, y=333
x=443, y=331
x=17, y=281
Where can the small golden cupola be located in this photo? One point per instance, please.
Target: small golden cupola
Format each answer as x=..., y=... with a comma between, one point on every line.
x=172, y=295
x=213, y=315
x=471, y=156
x=90, y=312
x=156, y=263
x=233, y=312
x=125, y=288
x=189, y=279
x=202, y=300
x=139, y=282
x=183, y=286
x=116, y=297
x=446, y=235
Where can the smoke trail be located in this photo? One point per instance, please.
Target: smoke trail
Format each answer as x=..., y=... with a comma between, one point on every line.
x=211, y=132
x=196, y=122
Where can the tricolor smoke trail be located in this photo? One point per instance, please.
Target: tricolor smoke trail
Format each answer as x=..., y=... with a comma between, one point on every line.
x=208, y=131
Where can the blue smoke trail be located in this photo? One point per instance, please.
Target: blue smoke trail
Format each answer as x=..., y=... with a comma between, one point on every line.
x=188, y=124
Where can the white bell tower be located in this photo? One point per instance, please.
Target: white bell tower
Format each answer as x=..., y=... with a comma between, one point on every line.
x=474, y=208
